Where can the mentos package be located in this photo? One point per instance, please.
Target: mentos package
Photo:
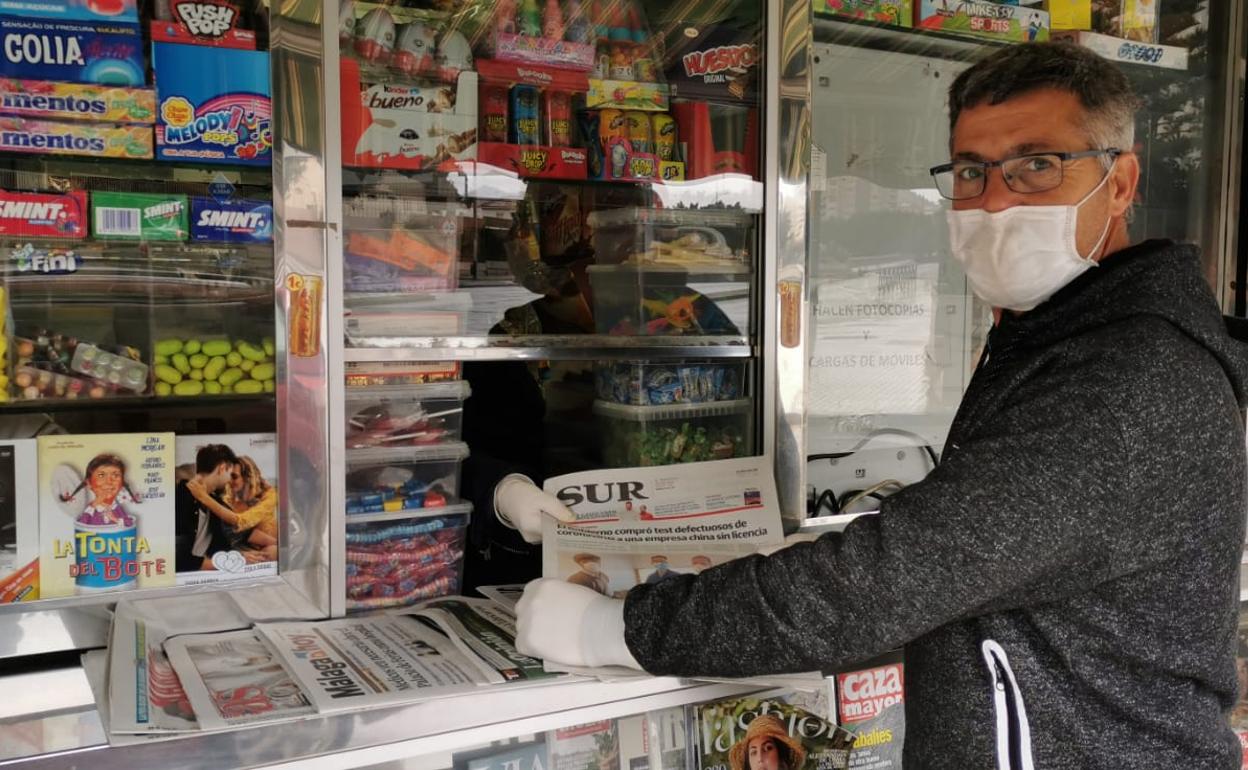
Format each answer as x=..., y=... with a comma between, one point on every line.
x=213, y=104
x=76, y=101
x=138, y=216
x=74, y=10
x=99, y=140
x=43, y=215
x=203, y=22
x=71, y=51
x=240, y=221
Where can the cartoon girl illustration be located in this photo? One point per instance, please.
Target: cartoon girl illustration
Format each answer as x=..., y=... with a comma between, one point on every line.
x=106, y=480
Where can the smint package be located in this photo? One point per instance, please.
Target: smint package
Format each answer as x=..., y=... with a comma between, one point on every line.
x=139, y=216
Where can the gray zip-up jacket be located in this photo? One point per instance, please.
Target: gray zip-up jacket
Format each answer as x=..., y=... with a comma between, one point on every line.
x=1065, y=582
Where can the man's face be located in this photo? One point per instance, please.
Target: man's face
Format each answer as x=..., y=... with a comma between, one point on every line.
x=219, y=478
x=764, y=755
x=1045, y=120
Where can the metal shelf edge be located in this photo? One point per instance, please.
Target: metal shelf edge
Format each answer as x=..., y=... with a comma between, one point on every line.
x=563, y=348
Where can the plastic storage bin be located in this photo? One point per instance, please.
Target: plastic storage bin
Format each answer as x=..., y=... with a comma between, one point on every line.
x=394, y=479
x=393, y=562
x=687, y=238
x=653, y=301
x=688, y=382
x=401, y=245
x=674, y=433
x=415, y=415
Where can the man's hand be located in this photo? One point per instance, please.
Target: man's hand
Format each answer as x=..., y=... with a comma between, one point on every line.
x=565, y=623
x=520, y=504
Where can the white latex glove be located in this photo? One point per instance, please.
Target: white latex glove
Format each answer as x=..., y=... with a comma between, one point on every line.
x=520, y=504
x=796, y=537
x=565, y=623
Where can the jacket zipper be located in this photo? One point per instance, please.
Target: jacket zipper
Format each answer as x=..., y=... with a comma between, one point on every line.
x=1013, y=729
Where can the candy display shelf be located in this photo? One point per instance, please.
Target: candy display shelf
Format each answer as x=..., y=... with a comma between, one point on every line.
x=135, y=172
x=139, y=405
x=550, y=347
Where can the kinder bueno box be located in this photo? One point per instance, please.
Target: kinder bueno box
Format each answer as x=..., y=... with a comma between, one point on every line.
x=717, y=62
x=138, y=216
x=43, y=215
x=74, y=10
x=72, y=51
x=203, y=22
x=76, y=101
x=240, y=221
x=407, y=126
x=213, y=104
x=988, y=20
x=98, y=140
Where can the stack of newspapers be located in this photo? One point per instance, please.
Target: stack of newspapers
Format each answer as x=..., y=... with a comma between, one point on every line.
x=154, y=683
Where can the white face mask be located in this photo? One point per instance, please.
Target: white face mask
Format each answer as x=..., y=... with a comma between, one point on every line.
x=1019, y=257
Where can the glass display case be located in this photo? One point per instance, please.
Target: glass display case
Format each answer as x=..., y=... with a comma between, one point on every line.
x=555, y=202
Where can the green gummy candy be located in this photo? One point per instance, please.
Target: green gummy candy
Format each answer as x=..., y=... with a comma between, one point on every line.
x=159, y=359
x=250, y=352
x=188, y=388
x=191, y=347
x=269, y=348
x=213, y=388
x=249, y=387
x=197, y=374
x=215, y=348
x=181, y=363
x=199, y=361
x=163, y=388
x=247, y=365
x=269, y=386
x=263, y=371
x=168, y=374
x=214, y=368
x=230, y=376
x=168, y=347
x=233, y=359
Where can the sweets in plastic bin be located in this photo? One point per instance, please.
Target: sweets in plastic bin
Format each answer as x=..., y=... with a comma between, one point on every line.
x=54, y=365
x=401, y=245
x=643, y=383
x=362, y=375
x=414, y=416
x=641, y=301
x=194, y=367
x=674, y=433
x=392, y=479
x=696, y=239
x=394, y=562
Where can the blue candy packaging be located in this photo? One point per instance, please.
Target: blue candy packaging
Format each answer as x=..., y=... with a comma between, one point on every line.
x=240, y=221
x=74, y=10
x=213, y=104
x=71, y=51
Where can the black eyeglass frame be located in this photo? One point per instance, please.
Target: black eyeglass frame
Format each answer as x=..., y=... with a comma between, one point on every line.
x=1065, y=157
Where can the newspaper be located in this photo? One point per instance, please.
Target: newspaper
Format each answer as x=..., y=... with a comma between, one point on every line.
x=145, y=695
x=645, y=525
x=485, y=632
x=234, y=679
x=509, y=595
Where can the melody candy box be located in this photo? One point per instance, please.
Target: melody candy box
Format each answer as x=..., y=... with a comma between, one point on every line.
x=99, y=140
x=72, y=51
x=76, y=101
x=212, y=104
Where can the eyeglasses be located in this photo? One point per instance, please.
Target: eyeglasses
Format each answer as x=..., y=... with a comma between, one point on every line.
x=1025, y=174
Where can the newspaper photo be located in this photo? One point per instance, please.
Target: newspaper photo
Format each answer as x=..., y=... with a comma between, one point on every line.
x=382, y=660
x=485, y=633
x=645, y=525
x=233, y=679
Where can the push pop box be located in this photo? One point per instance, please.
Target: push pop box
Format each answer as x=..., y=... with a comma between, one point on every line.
x=203, y=22
x=213, y=104
x=72, y=51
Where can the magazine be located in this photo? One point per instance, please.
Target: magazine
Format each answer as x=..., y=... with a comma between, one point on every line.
x=645, y=525
x=19, y=522
x=105, y=513
x=592, y=746
x=734, y=734
x=212, y=549
x=234, y=679
x=530, y=755
x=871, y=702
x=655, y=740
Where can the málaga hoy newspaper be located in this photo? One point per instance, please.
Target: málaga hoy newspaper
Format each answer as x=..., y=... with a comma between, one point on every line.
x=646, y=525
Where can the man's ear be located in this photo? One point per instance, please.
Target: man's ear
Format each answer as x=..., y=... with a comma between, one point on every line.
x=1124, y=178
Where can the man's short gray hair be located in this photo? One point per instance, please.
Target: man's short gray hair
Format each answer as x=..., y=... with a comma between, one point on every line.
x=1102, y=89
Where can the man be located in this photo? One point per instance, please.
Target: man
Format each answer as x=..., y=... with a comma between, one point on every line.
x=590, y=575
x=662, y=571
x=197, y=533
x=1065, y=582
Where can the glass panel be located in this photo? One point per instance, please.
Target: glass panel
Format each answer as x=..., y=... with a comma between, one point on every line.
x=895, y=330
x=136, y=229
x=548, y=196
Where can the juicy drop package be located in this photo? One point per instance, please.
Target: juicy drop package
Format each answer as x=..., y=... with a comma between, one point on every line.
x=213, y=104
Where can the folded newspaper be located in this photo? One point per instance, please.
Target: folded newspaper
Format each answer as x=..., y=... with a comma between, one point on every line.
x=160, y=684
x=646, y=525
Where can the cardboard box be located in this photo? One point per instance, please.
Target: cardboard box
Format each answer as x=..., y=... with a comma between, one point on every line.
x=236, y=221
x=77, y=101
x=203, y=22
x=990, y=21
x=73, y=10
x=138, y=216
x=100, y=140
x=214, y=104
x=1069, y=14
x=408, y=127
x=897, y=13
x=72, y=51
x=43, y=215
